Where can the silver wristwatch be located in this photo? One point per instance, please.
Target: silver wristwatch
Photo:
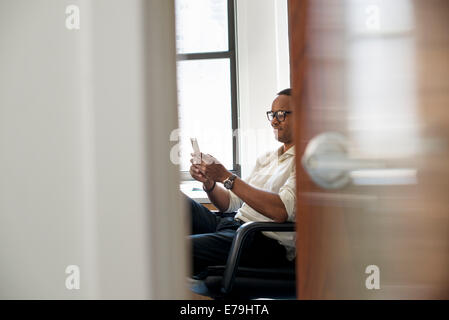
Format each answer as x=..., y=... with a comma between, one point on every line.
x=229, y=182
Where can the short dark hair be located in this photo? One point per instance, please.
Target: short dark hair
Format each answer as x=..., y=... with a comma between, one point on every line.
x=285, y=92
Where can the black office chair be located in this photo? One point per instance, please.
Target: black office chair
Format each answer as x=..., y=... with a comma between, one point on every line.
x=234, y=281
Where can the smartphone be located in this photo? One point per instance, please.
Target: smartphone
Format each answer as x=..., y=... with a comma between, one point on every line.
x=195, y=146
x=196, y=151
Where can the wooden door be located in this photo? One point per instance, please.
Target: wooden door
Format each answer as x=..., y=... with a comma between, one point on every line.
x=370, y=83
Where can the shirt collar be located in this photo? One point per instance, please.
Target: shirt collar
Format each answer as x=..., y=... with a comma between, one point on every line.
x=291, y=151
x=288, y=153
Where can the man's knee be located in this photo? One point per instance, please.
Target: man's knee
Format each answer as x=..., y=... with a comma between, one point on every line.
x=209, y=249
x=200, y=256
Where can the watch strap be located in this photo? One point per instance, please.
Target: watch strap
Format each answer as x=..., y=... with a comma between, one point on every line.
x=210, y=190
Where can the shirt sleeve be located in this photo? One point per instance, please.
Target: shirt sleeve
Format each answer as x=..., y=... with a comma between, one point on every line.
x=235, y=202
x=287, y=193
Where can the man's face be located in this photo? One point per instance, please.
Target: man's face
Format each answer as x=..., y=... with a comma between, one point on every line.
x=283, y=130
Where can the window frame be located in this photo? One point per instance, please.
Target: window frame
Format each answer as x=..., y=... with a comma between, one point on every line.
x=231, y=55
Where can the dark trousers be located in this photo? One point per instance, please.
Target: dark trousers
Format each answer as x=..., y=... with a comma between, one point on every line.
x=212, y=235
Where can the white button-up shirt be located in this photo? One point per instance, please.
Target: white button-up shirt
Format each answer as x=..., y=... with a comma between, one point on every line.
x=274, y=172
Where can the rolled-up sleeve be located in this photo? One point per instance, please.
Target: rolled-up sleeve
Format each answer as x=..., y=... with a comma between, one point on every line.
x=287, y=193
x=234, y=203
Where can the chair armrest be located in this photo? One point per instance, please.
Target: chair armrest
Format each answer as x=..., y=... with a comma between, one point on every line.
x=237, y=245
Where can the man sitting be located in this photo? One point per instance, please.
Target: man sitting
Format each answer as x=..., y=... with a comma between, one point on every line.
x=267, y=194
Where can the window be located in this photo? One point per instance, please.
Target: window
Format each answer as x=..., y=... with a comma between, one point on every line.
x=205, y=40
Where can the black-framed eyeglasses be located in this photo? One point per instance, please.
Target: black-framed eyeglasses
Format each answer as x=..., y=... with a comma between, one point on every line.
x=279, y=115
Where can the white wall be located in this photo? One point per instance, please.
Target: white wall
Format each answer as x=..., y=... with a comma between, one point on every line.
x=263, y=70
x=85, y=171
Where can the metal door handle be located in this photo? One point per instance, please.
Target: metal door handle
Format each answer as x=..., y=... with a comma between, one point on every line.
x=326, y=160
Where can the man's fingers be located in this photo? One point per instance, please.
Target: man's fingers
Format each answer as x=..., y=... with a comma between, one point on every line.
x=194, y=168
x=196, y=158
x=197, y=175
x=201, y=158
x=206, y=159
x=202, y=169
x=192, y=173
x=209, y=159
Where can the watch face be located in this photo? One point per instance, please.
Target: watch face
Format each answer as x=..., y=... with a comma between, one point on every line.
x=228, y=184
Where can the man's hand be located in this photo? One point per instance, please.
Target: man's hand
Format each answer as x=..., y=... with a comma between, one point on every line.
x=196, y=173
x=213, y=169
x=219, y=196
